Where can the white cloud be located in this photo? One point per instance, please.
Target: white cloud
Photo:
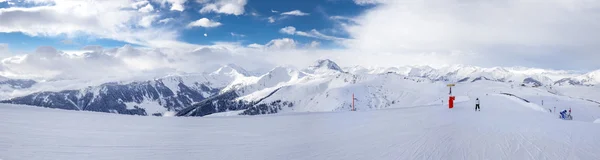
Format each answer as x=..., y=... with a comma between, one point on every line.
x=147, y=21
x=177, y=5
x=139, y=4
x=49, y=63
x=237, y=35
x=295, y=13
x=312, y=33
x=544, y=33
x=100, y=19
x=146, y=9
x=271, y=19
x=256, y=46
x=173, y=5
x=204, y=22
x=233, y=7
x=205, y=35
x=342, y=18
x=128, y=62
x=166, y=20
x=314, y=44
x=368, y=2
x=288, y=30
x=274, y=11
x=281, y=44
x=68, y=42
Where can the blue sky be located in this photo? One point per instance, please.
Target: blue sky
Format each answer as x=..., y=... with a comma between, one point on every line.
x=252, y=26
x=44, y=38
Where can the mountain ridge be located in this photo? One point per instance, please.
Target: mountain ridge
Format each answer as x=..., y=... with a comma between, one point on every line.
x=282, y=89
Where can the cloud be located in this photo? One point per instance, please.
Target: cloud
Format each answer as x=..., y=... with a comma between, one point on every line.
x=256, y=46
x=68, y=42
x=166, y=20
x=312, y=33
x=274, y=11
x=146, y=9
x=233, y=7
x=237, y=35
x=342, y=18
x=204, y=22
x=177, y=5
x=48, y=63
x=205, y=35
x=139, y=4
x=147, y=21
x=544, y=33
x=101, y=19
x=314, y=44
x=126, y=62
x=370, y=2
x=276, y=45
x=283, y=43
x=271, y=19
x=288, y=30
x=295, y=13
x=93, y=48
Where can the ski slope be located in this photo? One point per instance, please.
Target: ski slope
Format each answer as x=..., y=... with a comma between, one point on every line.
x=504, y=129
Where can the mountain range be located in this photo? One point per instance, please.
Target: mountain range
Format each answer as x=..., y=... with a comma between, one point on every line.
x=323, y=86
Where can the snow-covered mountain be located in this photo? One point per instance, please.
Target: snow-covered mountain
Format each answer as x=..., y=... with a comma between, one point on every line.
x=323, y=86
x=8, y=85
x=588, y=79
x=158, y=96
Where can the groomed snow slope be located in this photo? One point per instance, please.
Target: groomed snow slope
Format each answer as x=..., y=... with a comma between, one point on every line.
x=504, y=129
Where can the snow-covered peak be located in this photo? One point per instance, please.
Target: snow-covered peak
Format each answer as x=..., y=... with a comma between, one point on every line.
x=324, y=65
x=281, y=74
x=357, y=70
x=231, y=69
x=278, y=76
x=591, y=78
x=422, y=71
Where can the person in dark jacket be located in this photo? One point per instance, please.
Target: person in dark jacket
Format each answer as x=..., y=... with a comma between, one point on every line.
x=477, y=105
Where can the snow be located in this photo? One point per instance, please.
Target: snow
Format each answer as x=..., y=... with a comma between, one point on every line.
x=530, y=105
x=398, y=117
x=228, y=113
x=503, y=129
x=169, y=114
x=172, y=83
x=149, y=106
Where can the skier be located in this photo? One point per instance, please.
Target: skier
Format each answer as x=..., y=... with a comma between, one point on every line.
x=563, y=114
x=477, y=105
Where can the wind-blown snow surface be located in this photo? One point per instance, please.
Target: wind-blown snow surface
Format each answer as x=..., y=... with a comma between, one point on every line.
x=505, y=128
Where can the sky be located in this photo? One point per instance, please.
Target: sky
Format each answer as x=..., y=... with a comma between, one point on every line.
x=72, y=39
